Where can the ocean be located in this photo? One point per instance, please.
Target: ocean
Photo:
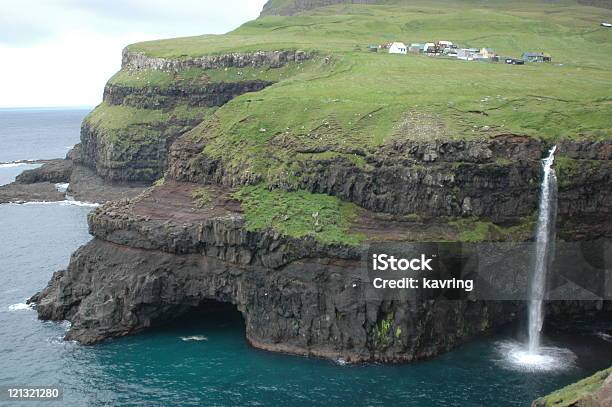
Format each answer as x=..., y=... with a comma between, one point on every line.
x=206, y=361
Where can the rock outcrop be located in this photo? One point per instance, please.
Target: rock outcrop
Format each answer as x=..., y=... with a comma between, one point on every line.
x=273, y=59
x=496, y=179
x=42, y=184
x=137, y=151
x=55, y=171
x=150, y=263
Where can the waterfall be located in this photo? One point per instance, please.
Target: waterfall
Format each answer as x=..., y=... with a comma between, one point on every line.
x=545, y=238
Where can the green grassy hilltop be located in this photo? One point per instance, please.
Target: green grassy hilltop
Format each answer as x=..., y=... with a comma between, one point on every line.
x=348, y=100
x=568, y=98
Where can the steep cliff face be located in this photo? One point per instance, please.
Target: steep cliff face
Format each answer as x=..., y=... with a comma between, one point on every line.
x=272, y=59
x=128, y=136
x=149, y=264
x=495, y=179
x=202, y=95
x=157, y=256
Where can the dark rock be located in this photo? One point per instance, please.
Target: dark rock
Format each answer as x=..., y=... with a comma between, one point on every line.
x=37, y=192
x=208, y=95
x=56, y=171
x=272, y=59
x=155, y=257
x=85, y=185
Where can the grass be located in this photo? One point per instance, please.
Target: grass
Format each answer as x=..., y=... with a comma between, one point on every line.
x=298, y=214
x=360, y=99
x=570, y=395
x=473, y=230
x=201, y=197
x=382, y=331
x=568, y=169
x=126, y=124
x=347, y=101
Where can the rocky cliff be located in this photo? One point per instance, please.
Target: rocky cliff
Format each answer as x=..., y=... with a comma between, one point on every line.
x=281, y=167
x=127, y=137
x=151, y=263
x=495, y=179
x=163, y=254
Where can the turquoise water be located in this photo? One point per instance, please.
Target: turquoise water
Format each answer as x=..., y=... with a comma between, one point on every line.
x=162, y=368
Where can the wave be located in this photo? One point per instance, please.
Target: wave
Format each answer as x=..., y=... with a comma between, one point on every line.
x=17, y=163
x=19, y=307
x=11, y=165
x=606, y=337
x=66, y=202
x=62, y=186
x=79, y=203
x=194, y=338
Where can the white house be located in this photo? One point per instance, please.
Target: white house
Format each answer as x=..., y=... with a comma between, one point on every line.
x=607, y=25
x=467, y=54
x=429, y=47
x=398, y=48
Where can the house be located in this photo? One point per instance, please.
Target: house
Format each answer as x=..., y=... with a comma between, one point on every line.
x=416, y=48
x=607, y=25
x=536, y=57
x=451, y=52
x=445, y=44
x=398, y=48
x=430, y=48
x=487, y=53
x=467, y=54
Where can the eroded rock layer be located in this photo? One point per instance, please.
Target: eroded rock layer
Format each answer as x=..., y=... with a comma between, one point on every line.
x=496, y=179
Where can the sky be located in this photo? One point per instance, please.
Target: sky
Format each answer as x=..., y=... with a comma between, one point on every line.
x=56, y=53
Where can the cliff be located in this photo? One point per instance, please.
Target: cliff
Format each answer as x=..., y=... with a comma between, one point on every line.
x=282, y=151
x=152, y=101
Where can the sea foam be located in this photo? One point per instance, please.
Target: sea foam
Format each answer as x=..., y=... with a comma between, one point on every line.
x=194, y=338
x=19, y=307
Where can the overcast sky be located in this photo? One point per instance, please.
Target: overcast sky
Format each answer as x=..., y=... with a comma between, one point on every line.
x=62, y=52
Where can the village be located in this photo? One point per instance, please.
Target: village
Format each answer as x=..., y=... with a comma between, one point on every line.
x=450, y=50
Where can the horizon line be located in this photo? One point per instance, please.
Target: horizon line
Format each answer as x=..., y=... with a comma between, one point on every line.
x=74, y=107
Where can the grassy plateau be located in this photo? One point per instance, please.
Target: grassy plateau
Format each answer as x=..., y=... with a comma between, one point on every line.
x=349, y=99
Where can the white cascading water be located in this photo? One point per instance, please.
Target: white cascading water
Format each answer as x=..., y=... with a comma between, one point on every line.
x=533, y=356
x=545, y=238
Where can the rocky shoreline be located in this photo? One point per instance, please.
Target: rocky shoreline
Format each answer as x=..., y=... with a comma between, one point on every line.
x=83, y=184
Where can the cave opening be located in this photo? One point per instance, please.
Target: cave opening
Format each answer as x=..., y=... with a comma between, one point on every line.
x=208, y=319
